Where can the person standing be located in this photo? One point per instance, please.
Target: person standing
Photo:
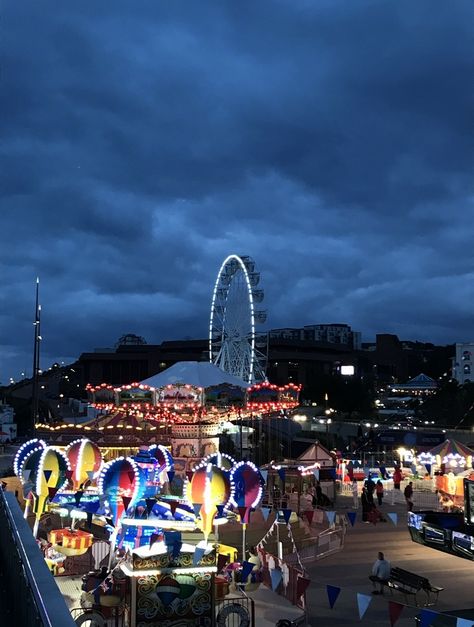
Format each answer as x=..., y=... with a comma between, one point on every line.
x=366, y=505
x=355, y=494
x=408, y=493
x=397, y=478
x=379, y=492
x=380, y=573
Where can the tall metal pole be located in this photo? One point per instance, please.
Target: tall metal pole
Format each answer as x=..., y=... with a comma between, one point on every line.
x=36, y=356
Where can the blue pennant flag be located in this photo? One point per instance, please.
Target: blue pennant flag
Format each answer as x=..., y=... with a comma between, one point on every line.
x=172, y=538
x=264, y=474
x=220, y=511
x=427, y=617
x=286, y=514
x=282, y=474
x=198, y=555
x=464, y=622
x=247, y=568
x=363, y=602
x=331, y=517
x=394, y=518
x=92, y=506
x=333, y=593
x=266, y=512
x=171, y=474
x=197, y=508
x=47, y=474
x=352, y=518
x=177, y=549
x=276, y=577
x=316, y=474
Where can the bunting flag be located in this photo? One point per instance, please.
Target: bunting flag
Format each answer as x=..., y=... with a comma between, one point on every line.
x=276, y=577
x=149, y=505
x=164, y=477
x=394, y=518
x=333, y=593
x=198, y=555
x=91, y=475
x=52, y=492
x=282, y=474
x=464, y=622
x=352, y=517
x=244, y=513
x=172, y=538
x=68, y=474
x=394, y=611
x=309, y=515
x=4, y=485
x=47, y=474
x=221, y=562
x=126, y=501
x=428, y=468
x=301, y=584
x=286, y=513
x=264, y=474
x=173, y=506
x=171, y=474
x=363, y=602
x=189, y=474
x=176, y=549
x=331, y=517
x=92, y=506
x=265, y=512
x=26, y=474
x=78, y=496
x=154, y=538
x=131, y=475
x=316, y=474
x=427, y=617
x=220, y=511
x=89, y=520
x=110, y=522
x=247, y=568
x=197, y=508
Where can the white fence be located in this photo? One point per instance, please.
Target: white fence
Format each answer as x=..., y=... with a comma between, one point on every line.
x=314, y=548
x=424, y=493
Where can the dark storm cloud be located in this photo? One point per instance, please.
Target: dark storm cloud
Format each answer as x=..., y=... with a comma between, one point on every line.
x=143, y=142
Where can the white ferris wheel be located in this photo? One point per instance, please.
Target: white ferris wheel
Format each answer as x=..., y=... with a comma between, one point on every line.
x=234, y=345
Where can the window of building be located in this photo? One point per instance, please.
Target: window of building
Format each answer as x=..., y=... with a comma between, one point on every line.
x=466, y=356
x=467, y=369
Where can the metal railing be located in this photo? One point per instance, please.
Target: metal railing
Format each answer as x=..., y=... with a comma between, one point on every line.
x=232, y=610
x=326, y=543
x=29, y=595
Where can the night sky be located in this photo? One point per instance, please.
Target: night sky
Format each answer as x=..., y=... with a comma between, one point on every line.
x=142, y=142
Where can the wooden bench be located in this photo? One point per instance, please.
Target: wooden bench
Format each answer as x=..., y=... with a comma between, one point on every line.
x=410, y=584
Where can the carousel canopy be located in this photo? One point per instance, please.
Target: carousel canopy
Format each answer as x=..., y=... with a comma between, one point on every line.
x=201, y=374
x=452, y=447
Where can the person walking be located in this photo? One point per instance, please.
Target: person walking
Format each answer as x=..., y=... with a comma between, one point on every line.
x=379, y=492
x=366, y=505
x=380, y=573
x=408, y=493
x=355, y=494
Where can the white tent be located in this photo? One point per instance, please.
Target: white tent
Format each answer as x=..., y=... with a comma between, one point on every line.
x=317, y=453
x=199, y=373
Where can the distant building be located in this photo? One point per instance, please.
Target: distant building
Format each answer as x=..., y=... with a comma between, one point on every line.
x=8, y=429
x=463, y=363
x=336, y=333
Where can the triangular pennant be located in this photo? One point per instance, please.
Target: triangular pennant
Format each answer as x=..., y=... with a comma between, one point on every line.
x=149, y=505
x=464, y=622
x=52, y=492
x=394, y=611
x=176, y=549
x=264, y=474
x=92, y=506
x=131, y=475
x=126, y=501
x=309, y=515
x=171, y=474
x=110, y=522
x=301, y=584
x=91, y=475
x=286, y=514
x=172, y=538
x=363, y=602
x=78, y=496
x=221, y=561
x=282, y=474
x=393, y=517
x=189, y=474
x=26, y=475
x=68, y=474
x=428, y=468
x=173, y=506
x=331, y=517
x=428, y=616
x=198, y=555
x=333, y=593
x=220, y=511
x=89, y=520
x=244, y=513
x=47, y=474
x=316, y=474
x=197, y=508
x=276, y=577
x=154, y=538
x=352, y=517
x=247, y=568
x=164, y=477
x=265, y=512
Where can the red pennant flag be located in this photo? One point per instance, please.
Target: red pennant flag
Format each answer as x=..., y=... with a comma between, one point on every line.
x=69, y=474
x=189, y=474
x=173, y=506
x=52, y=492
x=244, y=513
x=131, y=476
x=221, y=562
x=126, y=501
x=394, y=611
x=154, y=538
x=309, y=515
x=301, y=585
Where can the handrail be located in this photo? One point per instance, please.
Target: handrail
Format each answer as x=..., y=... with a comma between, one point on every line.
x=47, y=599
